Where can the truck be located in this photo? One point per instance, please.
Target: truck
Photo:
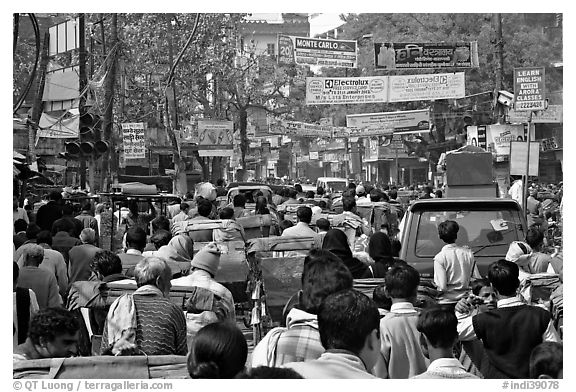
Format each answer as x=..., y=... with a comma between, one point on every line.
x=488, y=224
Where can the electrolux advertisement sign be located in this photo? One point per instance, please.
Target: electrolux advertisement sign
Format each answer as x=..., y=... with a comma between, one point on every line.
x=529, y=89
x=412, y=55
x=400, y=122
x=405, y=88
x=330, y=91
x=314, y=51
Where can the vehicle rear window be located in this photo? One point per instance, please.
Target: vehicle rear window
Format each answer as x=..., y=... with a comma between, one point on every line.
x=250, y=194
x=476, y=231
x=336, y=186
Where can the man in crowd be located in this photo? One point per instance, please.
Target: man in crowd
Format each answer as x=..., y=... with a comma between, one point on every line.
x=41, y=281
x=239, y=203
x=438, y=336
x=546, y=361
x=135, y=244
x=361, y=196
x=348, y=327
x=81, y=256
x=64, y=239
x=402, y=356
x=68, y=215
x=221, y=188
x=302, y=228
x=19, y=236
x=183, y=214
x=509, y=332
x=204, y=211
x=292, y=197
x=355, y=225
x=323, y=274
x=24, y=305
x=88, y=221
x=146, y=322
x=50, y=212
x=53, y=333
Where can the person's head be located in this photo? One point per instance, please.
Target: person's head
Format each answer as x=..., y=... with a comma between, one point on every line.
x=154, y=271
x=261, y=205
x=348, y=204
x=184, y=207
x=320, y=191
x=64, y=225
x=32, y=254
x=220, y=182
x=226, y=213
x=67, y=210
x=219, y=351
x=136, y=238
x=448, y=231
x=360, y=191
x=392, y=194
x=322, y=204
x=161, y=222
x=375, y=195
x=207, y=259
x=503, y=276
x=438, y=329
x=267, y=372
x=20, y=225
x=310, y=194
x=88, y=236
x=161, y=238
x=204, y=207
x=484, y=294
x=304, y=214
x=239, y=200
x=298, y=188
x=105, y=263
x=100, y=208
x=44, y=237
x=351, y=185
x=381, y=299
x=323, y=274
x=32, y=231
x=54, y=333
x=438, y=193
x=534, y=238
x=402, y=282
x=285, y=224
x=323, y=224
x=292, y=193
x=206, y=190
x=379, y=246
x=349, y=320
x=87, y=207
x=55, y=196
x=533, y=191
x=546, y=361
x=519, y=252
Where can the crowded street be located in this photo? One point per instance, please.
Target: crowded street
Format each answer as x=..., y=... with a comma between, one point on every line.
x=287, y=195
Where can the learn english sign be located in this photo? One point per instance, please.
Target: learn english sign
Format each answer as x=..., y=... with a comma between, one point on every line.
x=529, y=89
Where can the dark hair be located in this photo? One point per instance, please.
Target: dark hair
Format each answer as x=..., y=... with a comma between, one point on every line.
x=478, y=284
x=298, y=187
x=292, y=193
x=267, y=372
x=381, y=299
x=310, y=194
x=351, y=185
x=346, y=319
x=161, y=222
x=448, y=231
x=546, y=359
x=136, y=238
x=220, y=182
x=44, y=237
x=262, y=205
x=396, y=246
x=438, y=193
x=49, y=323
x=160, y=238
x=33, y=229
x=20, y=225
x=219, y=351
x=322, y=204
x=285, y=224
x=67, y=209
x=323, y=224
x=348, y=203
x=319, y=191
x=534, y=237
x=402, y=281
x=304, y=214
x=55, y=195
x=106, y=262
x=323, y=274
x=439, y=325
x=503, y=275
x=375, y=195
x=204, y=207
x=384, y=196
x=226, y=213
x=87, y=206
x=184, y=206
x=239, y=200
x=393, y=194
x=62, y=224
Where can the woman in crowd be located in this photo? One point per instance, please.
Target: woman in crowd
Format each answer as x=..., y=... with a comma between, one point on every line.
x=219, y=351
x=380, y=250
x=178, y=254
x=336, y=242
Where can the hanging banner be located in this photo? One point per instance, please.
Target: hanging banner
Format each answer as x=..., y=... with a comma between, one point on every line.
x=314, y=51
x=134, y=140
x=496, y=138
x=426, y=55
x=529, y=89
x=215, y=138
x=405, y=88
x=58, y=127
x=301, y=129
x=408, y=121
x=330, y=91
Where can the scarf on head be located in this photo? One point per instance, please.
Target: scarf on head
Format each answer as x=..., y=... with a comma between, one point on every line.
x=178, y=253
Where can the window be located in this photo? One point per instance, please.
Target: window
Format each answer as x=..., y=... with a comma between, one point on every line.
x=271, y=50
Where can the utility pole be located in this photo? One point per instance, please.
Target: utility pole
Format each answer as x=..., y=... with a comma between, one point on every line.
x=109, y=166
x=37, y=104
x=499, y=56
x=83, y=82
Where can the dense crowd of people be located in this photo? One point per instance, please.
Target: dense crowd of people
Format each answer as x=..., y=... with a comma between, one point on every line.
x=65, y=257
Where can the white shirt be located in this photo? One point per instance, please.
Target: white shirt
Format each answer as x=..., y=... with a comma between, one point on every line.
x=300, y=230
x=515, y=191
x=445, y=368
x=452, y=272
x=466, y=329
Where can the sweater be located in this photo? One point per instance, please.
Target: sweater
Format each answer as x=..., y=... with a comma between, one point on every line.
x=509, y=334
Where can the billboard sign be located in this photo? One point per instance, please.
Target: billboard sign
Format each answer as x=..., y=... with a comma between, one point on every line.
x=330, y=91
x=134, y=140
x=215, y=138
x=425, y=55
x=497, y=137
x=314, y=51
x=408, y=121
x=405, y=88
x=529, y=89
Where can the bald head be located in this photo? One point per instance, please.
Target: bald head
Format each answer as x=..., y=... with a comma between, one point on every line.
x=88, y=236
x=153, y=271
x=33, y=255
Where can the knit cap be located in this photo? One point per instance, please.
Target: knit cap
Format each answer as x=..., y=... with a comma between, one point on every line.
x=519, y=252
x=208, y=259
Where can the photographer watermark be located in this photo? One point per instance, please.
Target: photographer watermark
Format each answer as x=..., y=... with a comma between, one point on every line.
x=90, y=385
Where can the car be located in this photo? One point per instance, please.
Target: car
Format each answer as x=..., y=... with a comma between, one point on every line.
x=332, y=184
x=487, y=226
x=249, y=191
